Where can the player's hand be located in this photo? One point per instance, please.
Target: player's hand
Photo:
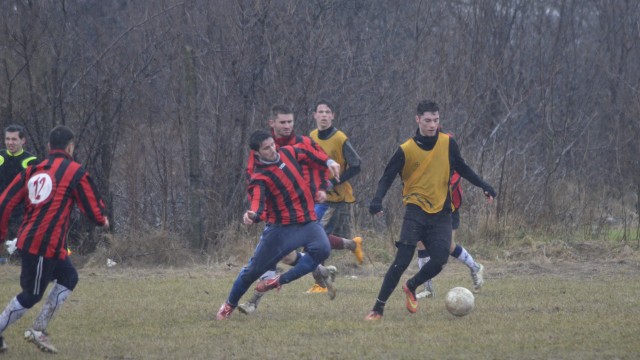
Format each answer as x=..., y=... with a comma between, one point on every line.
x=106, y=223
x=375, y=207
x=489, y=192
x=489, y=199
x=321, y=196
x=334, y=169
x=248, y=217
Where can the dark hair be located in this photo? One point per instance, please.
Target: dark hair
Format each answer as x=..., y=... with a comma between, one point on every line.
x=15, y=128
x=256, y=139
x=324, y=102
x=280, y=109
x=427, y=106
x=59, y=137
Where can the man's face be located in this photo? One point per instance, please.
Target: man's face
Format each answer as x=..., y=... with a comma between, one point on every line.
x=323, y=116
x=13, y=142
x=267, y=150
x=428, y=123
x=282, y=125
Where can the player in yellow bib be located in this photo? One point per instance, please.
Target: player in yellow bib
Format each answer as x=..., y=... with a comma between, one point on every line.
x=335, y=213
x=425, y=163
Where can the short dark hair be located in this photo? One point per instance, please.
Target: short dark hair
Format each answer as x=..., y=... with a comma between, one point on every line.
x=324, y=102
x=280, y=109
x=256, y=139
x=59, y=137
x=15, y=128
x=427, y=106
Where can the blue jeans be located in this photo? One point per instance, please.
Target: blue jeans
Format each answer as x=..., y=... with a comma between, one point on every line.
x=276, y=242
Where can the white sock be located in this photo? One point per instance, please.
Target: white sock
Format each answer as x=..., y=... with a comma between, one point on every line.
x=56, y=297
x=467, y=259
x=423, y=261
x=11, y=314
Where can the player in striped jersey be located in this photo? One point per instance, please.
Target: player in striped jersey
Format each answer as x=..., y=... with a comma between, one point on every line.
x=48, y=190
x=280, y=195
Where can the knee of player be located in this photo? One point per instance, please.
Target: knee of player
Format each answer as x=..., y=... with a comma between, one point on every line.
x=320, y=252
x=28, y=299
x=70, y=281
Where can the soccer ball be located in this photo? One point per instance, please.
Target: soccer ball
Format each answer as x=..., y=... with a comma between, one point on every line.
x=459, y=301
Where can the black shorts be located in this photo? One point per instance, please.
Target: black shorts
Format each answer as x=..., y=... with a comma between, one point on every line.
x=455, y=220
x=37, y=272
x=434, y=230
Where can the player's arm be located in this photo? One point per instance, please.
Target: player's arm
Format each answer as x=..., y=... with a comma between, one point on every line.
x=13, y=195
x=318, y=160
x=353, y=164
x=256, y=194
x=460, y=166
x=90, y=202
x=393, y=168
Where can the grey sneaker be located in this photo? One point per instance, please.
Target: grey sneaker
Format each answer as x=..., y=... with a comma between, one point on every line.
x=332, y=272
x=40, y=339
x=247, y=308
x=330, y=282
x=478, y=279
x=428, y=292
x=3, y=345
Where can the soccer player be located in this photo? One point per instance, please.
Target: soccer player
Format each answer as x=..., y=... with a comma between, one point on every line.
x=14, y=159
x=280, y=195
x=425, y=164
x=48, y=190
x=335, y=213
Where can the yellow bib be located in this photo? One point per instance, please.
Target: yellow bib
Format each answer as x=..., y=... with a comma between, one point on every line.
x=333, y=147
x=425, y=174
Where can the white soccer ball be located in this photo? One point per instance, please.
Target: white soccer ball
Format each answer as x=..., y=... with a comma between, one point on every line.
x=459, y=301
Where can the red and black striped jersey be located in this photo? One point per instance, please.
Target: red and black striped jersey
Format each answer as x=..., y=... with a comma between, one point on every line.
x=278, y=191
x=317, y=181
x=49, y=190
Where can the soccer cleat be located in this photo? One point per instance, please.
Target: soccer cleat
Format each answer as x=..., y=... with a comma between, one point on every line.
x=428, y=292
x=3, y=345
x=329, y=282
x=373, y=315
x=247, y=308
x=358, y=253
x=317, y=289
x=40, y=339
x=478, y=279
x=268, y=284
x=224, y=312
x=412, y=303
x=332, y=272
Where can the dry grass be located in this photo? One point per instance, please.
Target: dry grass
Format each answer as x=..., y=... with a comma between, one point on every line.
x=538, y=309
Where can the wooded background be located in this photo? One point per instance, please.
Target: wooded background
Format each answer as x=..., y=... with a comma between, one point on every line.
x=543, y=97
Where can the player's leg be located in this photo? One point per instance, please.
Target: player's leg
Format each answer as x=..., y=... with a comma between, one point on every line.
x=265, y=257
x=413, y=227
x=312, y=237
x=337, y=223
x=37, y=273
x=423, y=258
x=438, y=241
x=66, y=280
x=460, y=253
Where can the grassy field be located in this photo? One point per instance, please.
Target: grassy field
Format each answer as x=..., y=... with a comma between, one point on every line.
x=527, y=310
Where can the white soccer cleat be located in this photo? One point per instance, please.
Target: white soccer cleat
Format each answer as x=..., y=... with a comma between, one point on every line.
x=428, y=292
x=247, y=308
x=40, y=339
x=478, y=278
